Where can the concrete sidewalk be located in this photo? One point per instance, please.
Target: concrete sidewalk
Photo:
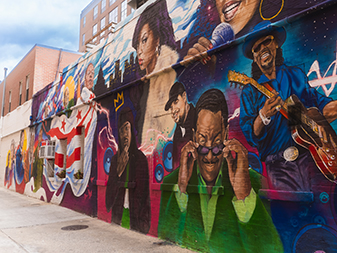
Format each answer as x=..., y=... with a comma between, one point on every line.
x=31, y=225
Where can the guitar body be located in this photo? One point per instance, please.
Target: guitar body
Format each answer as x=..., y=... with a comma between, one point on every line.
x=322, y=144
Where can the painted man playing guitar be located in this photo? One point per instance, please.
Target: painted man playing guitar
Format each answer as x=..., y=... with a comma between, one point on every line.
x=264, y=115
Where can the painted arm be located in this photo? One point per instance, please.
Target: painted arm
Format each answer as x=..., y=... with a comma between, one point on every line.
x=330, y=111
x=182, y=198
x=238, y=168
x=244, y=208
x=244, y=201
x=269, y=109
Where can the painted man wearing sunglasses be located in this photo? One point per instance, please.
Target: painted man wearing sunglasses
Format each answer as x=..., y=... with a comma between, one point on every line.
x=209, y=199
x=288, y=165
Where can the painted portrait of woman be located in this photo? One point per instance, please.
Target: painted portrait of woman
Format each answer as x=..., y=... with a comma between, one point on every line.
x=155, y=45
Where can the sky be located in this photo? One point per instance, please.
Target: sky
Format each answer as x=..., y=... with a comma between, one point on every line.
x=24, y=23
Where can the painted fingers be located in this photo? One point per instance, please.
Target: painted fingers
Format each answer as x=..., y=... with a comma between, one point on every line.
x=188, y=155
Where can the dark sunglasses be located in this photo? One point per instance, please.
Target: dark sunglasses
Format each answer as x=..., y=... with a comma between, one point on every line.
x=266, y=42
x=216, y=150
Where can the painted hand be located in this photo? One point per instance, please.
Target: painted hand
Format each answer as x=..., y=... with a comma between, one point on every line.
x=237, y=167
x=272, y=106
x=188, y=155
x=198, y=52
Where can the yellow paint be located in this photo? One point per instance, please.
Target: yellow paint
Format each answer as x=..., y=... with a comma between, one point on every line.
x=24, y=146
x=70, y=84
x=8, y=161
x=120, y=96
x=279, y=11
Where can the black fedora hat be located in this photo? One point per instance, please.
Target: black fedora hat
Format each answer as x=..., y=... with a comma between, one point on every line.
x=176, y=89
x=263, y=29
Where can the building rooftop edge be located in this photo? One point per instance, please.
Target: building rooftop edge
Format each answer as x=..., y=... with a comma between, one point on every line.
x=44, y=46
x=89, y=7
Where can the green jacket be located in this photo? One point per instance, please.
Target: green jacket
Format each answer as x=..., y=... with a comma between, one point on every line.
x=228, y=234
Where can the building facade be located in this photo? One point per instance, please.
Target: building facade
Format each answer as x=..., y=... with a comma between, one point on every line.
x=99, y=18
x=41, y=66
x=149, y=132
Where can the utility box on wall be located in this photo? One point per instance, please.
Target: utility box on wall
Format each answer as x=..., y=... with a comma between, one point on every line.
x=47, y=150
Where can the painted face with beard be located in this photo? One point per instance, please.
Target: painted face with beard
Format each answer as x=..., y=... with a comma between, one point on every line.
x=125, y=135
x=178, y=109
x=236, y=13
x=210, y=133
x=264, y=52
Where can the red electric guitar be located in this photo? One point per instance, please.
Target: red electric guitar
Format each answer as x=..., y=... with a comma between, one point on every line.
x=313, y=133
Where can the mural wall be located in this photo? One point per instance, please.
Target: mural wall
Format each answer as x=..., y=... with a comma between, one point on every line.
x=211, y=124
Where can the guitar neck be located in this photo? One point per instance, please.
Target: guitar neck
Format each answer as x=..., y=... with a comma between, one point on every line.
x=263, y=89
x=266, y=90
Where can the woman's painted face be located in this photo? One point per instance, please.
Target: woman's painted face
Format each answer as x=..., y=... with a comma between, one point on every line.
x=146, y=49
x=237, y=13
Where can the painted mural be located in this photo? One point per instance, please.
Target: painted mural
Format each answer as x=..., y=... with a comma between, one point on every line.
x=50, y=163
x=208, y=123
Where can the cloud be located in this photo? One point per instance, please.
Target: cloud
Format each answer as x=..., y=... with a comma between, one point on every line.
x=26, y=23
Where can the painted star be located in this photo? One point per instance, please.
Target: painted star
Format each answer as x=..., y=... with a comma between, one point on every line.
x=63, y=125
x=79, y=116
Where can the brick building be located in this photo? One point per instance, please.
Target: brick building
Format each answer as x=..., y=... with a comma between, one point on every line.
x=99, y=17
x=41, y=66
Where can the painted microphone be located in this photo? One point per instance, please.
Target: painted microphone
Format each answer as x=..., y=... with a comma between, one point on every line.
x=222, y=34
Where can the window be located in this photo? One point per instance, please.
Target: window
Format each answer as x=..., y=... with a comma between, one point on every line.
x=60, y=161
x=101, y=40
x=103, y=4
x=27, y=87
x=47, y=150
x=83, y=39
x=50, y=167
x=123, y=10
x=84, y=21
x=10, y=101
x=113, y=16
x=20, y=93
x=95, y=12
x=111, y=2
x=79, y=152
x=94, y=30
x=102, y=23
x=81, y=133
